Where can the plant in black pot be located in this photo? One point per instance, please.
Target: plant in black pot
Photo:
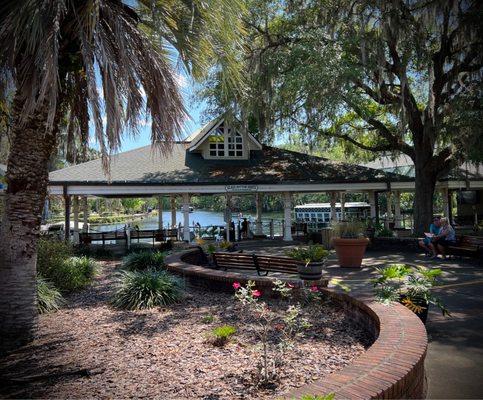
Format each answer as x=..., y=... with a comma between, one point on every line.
x=311, y=261
x=409, y=285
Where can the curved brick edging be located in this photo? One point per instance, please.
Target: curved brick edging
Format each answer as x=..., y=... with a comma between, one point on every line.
x=393, y=367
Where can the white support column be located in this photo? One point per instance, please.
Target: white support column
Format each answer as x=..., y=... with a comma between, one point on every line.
x=342, y=206
x=160, y=212
x=75, y=210
x=258, y=223
x=372, y=203
x=85, y=215
x=186, y=217
x=388, y=208
x=173, y=212
x=287, y=207
x=227, y=217
x=444, y=195
x=333, y=213
x=397, y=209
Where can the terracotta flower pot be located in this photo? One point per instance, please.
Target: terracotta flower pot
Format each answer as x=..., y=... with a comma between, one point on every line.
x=350, y=251
x=310, y=272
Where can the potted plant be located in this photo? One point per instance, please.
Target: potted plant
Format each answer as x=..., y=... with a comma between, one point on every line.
x=350, y=243
x=409, y=285
x=312, y=260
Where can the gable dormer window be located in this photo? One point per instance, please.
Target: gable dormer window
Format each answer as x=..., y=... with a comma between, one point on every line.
x=225, y=142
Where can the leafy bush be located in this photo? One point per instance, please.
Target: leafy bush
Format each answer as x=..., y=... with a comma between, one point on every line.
x=143, y=260
x=384, y=232
x=51, y=253
x=73, y=274
x=48, y=297
x=138, y=290
x=313, y=253
x=408, y=284
x=55, y=262
x=222, y=334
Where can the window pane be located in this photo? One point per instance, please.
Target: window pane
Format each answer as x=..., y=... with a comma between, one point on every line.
x=231, y=153
x=213, y=153
x=239, y=153
x=221, y=153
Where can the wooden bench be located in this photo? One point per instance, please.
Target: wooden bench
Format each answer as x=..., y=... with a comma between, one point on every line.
x=468, y=245
x=262, y=264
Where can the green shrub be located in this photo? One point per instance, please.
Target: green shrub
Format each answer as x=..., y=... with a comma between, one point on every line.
x=138, y=290
x=97, y=252
x=48, y=297
x=222, y=334
x=313, y=253
x=50, y=254
x=73, y=274
x=143, y=260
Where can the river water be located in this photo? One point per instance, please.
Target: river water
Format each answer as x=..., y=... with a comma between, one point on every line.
x=203, y=217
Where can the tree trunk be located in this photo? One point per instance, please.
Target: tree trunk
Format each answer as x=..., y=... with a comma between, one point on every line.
x=425, y=182
x=27, y=179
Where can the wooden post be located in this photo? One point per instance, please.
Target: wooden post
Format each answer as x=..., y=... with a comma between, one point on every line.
x=333, y=213
x=388, y=208
x=287, y=207
x=186, y=217
x=397, y=209
x=173, y=212
x=75, y=206
x=85, y=210
x=160, y=213
x=342, y=206
x=67, y=215
x=258, y=223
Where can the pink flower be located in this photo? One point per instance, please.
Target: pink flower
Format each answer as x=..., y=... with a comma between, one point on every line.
x=314, y=288
x=256, y=293
x=290, y=285
x=236, y=285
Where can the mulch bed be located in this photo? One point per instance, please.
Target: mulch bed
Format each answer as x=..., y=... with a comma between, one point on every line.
x=88, y=349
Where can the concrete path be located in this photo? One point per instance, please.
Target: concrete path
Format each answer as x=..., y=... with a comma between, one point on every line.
x=454, y=363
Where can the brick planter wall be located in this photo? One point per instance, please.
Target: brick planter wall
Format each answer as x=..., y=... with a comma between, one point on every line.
x=392, y=368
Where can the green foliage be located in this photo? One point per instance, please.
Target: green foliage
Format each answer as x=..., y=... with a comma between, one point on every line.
x=384, y=232
x=48, y=297
x=73, y=274
x=143, y=260
x=407, y=282
x=137, y=290
x=312, y=253
x=98, y=252
x=349, y=230
x=330, y=396
x=222, y=334
x=55, y=262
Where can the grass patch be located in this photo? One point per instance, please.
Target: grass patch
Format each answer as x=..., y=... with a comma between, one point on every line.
x=137, y=290
x=222, y=334
x=48, y=297
x=143, y=260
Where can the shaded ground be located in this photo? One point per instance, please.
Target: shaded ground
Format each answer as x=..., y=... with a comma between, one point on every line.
x=454, y=363
x=90, y=350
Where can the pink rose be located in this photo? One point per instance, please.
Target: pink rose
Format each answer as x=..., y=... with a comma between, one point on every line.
x=314, y=288
x=256, y=293
x=236, y=285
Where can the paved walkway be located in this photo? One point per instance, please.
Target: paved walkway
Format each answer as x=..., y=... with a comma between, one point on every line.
x=454, y=362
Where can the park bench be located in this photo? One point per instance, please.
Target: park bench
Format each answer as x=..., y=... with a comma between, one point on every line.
x=468, y=245
x=262, y=264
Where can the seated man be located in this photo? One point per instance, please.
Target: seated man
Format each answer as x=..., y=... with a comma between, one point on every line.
x=426, y=243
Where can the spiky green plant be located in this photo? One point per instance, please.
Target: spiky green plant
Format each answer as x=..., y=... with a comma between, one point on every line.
x=137, y=290
x=74, y=273
x=222, y=334
x=143, y=260
x=48, y=297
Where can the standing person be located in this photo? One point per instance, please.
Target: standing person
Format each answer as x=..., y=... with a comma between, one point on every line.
x=244, y=228
x=426, y=243
x=446, y=237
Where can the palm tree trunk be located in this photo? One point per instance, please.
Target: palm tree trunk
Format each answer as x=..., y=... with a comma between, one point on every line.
x=27, y=179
